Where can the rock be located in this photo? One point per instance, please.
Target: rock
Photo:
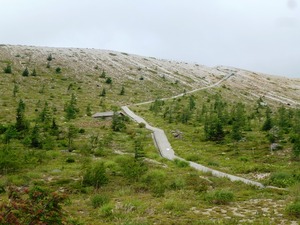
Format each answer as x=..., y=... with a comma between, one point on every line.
x=177, y=134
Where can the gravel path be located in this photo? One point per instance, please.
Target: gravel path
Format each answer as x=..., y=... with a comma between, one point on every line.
x=166, y=149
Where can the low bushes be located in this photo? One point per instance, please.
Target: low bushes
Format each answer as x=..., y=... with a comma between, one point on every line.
x=99, y=200
x=220, y=197
x=293, y=209
x=283, y=179
x=95, y=175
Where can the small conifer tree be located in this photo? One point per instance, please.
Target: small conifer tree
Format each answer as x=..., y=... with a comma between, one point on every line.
x=33, y=72
x=15, y=90
x=103, y=93
x=58, y=70
x=49, y=58
x=108, y=80
x=8, y=69
x=103, y=74
x=25, y=72
x=122, y=92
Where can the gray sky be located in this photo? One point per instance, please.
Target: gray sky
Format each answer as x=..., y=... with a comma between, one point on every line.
x=259, y=35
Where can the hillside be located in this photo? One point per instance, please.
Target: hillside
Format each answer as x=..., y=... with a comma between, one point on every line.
x=111, y=170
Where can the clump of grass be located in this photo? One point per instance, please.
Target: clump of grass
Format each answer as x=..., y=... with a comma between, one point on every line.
x=180, y=163
x=174, y=205
x=282, y=179
x=194, y=182
x=107, y=210
x=293, y=209
x=99, y=200
x=155, y=179
x=220, y=197
x=177, y=183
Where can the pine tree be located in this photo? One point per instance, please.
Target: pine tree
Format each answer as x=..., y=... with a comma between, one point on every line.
x=268, y=124
x=71, y=134
x=138, y=149
x=108, y=80
x=213, y=127
x=71, y=108
x=238, y=121
x=296, y=148
x=45, y=115
x=21, y=123
x=117, y=123
x=156, y=106
x=186, y=115
x=25, y=72
x=10, y=133
x=103, y=74
x=54, y=129
x=33, y=72
x=283, y=119
x=15, y=90
x=122, y=92
x=58, y=70
x=8, y=69
x=35, y=137
x=49, y=58
x=192, y=103
x=103, y=93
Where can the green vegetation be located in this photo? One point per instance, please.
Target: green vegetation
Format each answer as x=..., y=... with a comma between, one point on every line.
x=40, y=207
x=8, y=69
x=108, y=171
x=220, y=197
x=25, y=72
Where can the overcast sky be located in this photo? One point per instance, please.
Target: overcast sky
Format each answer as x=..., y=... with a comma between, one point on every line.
x=259, y=35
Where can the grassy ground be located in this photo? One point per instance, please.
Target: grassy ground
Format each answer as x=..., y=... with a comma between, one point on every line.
x=168, y=192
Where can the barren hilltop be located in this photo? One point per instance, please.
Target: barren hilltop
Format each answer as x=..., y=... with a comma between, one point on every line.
x=151, y=78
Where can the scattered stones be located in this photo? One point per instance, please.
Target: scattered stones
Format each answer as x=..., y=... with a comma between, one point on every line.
x=177, y=134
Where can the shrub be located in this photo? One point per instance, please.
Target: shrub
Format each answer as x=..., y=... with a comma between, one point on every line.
x=9, y=161
x=155, y=179
x=70, y=160
x=122, y=92
x=99, y=200
x=108, y=80
x=2, y=129
x=103, y=74
x=220, y=197
x=49, y=58
x=181, y=163
x=142, y=125
x=81, y=131
x=40, y=206
x=58, y=70
x=118, y=123
x=25, y=72
x=293, y=209
x=193, y=157
x=282, y=179
x=132, y=169
x=195, y=183
x=8, y=69
x=177, y=183
x=107, y=210
x=33, y=72
x=95, y=176
x=103, y=93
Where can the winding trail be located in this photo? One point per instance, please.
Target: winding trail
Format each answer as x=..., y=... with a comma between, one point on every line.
x=165, y=148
